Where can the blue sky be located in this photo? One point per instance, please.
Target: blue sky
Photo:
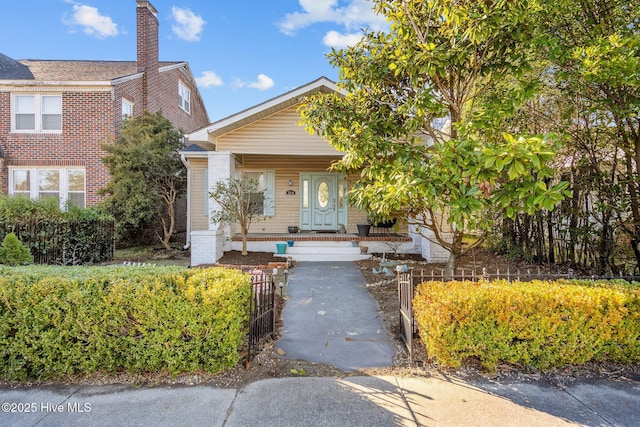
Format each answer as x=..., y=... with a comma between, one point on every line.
x=242, y=52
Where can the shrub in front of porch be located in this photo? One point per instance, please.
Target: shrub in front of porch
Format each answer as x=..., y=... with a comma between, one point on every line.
x=59, y=321
x=537, y=325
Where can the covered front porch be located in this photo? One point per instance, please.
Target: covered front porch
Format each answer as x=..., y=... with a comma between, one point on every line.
x=319, y=246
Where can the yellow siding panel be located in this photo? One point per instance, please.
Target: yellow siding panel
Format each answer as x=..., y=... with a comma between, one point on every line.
x=276, y=134
x=199, y=219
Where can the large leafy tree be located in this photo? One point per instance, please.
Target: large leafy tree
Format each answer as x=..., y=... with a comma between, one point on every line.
x=147, y=175
x=416, y=120
x=593, y=51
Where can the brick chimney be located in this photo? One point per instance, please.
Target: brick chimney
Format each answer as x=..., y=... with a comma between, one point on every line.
x=148, y=54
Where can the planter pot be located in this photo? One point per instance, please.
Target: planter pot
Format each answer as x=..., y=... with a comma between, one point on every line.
x=290, y=243
x=363, y=230
x=292, y=229
x=281, y=248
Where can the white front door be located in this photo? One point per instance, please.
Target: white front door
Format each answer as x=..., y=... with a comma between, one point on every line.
x=324, y=202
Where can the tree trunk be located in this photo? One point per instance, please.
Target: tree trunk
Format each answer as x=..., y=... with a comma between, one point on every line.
x=452, y=265
x=455, y=254
x=245, y=233
x=552, y=245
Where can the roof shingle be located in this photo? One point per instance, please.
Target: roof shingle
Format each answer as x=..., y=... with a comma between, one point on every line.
x=67, y=70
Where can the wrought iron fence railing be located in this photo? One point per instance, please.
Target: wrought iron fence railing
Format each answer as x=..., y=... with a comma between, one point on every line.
x=262, y=317
x=65, y=242
x=408, y=279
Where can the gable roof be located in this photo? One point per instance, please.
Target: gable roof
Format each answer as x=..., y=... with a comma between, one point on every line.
x=264, y=109
x=72, y=70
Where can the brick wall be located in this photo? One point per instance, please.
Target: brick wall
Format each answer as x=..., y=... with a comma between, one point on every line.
x=131, y=90
x=148, y=54
x=86, y=124
x=170, y=107
x=5, y=126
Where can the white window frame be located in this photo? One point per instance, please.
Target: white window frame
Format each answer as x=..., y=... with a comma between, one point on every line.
x=184, y=97
x=268, y=182
x=63, y=190
x=37, y=112
x=127, y=109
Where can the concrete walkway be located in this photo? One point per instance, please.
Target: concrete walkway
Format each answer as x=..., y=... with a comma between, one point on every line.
x=331, y=318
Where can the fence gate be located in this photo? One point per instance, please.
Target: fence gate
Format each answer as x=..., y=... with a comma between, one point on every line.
x=262, y=320
x=407, y=325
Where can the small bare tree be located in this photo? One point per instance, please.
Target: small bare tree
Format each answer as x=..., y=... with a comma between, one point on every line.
x=240, y=201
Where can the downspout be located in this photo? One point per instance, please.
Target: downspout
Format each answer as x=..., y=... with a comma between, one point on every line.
x=186, y=165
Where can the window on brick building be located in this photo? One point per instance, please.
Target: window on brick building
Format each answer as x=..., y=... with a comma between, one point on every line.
x=65, y=184
x=184, y=97
x=37, y=113
x=127, y=109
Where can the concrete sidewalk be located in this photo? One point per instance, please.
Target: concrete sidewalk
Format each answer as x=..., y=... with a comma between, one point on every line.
x=350, y=401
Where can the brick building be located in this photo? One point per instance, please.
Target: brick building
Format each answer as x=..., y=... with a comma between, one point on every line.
x=55, y=114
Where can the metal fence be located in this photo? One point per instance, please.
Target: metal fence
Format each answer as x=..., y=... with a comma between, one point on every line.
x=407, y=325
x=65, y=242
x=474, y=275
x=409, y=279
x=262, y=318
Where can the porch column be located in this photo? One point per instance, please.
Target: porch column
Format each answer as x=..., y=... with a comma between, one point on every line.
x=430, y=251
x=208, y=246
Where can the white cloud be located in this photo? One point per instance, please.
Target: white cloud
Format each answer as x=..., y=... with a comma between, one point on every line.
x=357, y=14
x=263, y=82
x=92, y=22
x=188, y=25
x=209, y=79
x=340, y=41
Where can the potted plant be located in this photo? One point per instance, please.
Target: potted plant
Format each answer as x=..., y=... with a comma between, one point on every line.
x=363, y=229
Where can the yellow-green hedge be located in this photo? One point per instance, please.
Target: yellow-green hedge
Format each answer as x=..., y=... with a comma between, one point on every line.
x=57, y=321
x=539, y=325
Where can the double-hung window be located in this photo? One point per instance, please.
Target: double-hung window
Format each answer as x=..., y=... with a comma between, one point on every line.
x=65, y=184
x=262, y=202
x=37, y=113
x=127, y=109
x=184, y=97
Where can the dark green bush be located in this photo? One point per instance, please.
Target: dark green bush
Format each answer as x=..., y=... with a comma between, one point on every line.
x=69, y=237
x=57, y=321
x=13, y=252
x=539, y=325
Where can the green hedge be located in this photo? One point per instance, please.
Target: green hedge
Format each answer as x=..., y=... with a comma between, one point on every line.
x=58, y=321
x=58, y=237
x=538, y=325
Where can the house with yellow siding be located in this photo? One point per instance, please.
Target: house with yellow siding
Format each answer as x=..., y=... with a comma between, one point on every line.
x=292, y=167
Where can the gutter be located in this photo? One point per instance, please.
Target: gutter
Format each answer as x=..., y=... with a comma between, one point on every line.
x=186, y=165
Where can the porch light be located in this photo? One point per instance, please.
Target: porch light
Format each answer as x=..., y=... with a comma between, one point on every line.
x=290, y=183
